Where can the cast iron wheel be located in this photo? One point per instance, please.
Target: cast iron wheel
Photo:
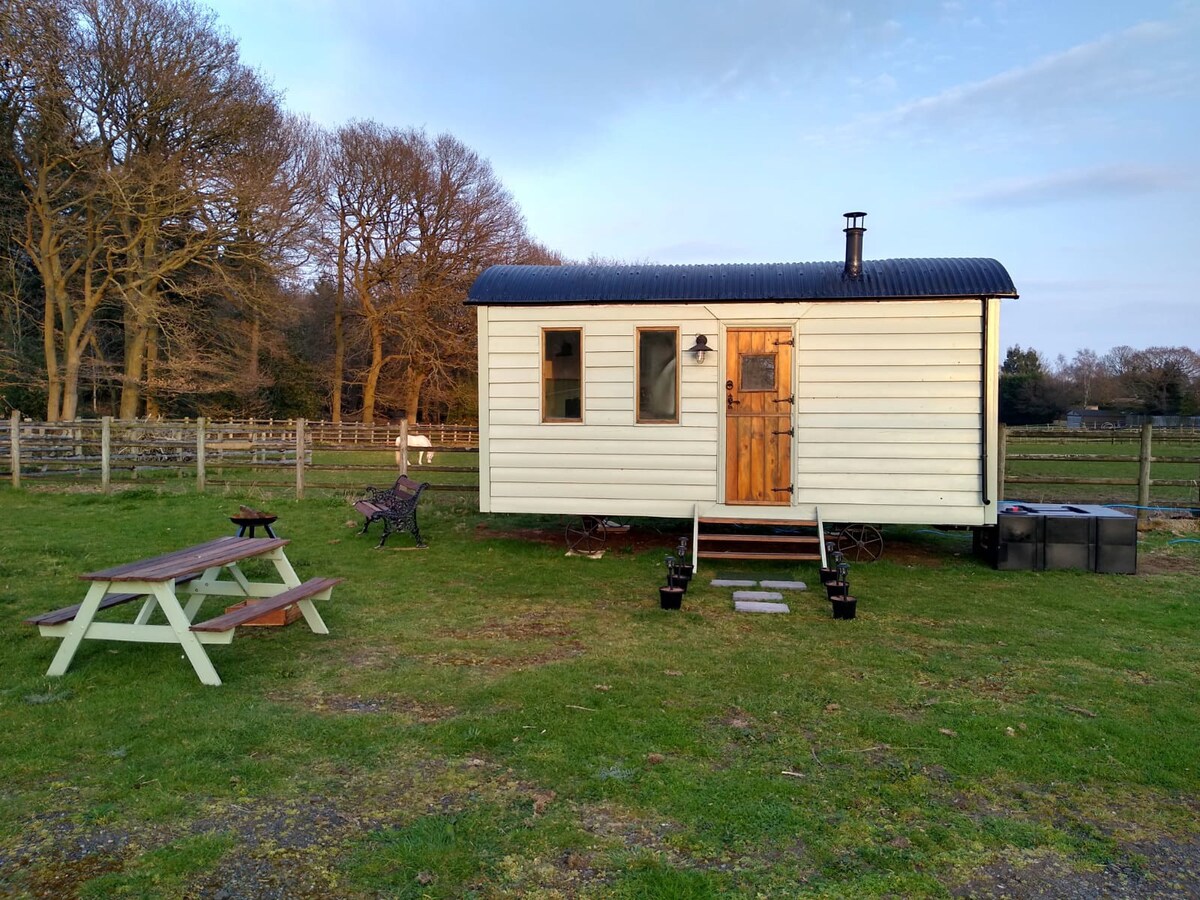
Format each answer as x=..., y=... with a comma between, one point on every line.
x=860, y=543
x=588, y=535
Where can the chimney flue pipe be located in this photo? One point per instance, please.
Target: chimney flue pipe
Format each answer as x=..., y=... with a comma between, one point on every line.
x=854, y=242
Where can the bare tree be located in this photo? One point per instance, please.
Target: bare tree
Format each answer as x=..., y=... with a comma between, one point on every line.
x=169, y=100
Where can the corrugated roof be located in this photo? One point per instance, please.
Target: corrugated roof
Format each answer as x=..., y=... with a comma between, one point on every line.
x=880, y=279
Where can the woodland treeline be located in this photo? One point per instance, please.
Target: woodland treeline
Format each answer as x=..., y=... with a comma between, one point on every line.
x=174, y=242
x=1157, y=381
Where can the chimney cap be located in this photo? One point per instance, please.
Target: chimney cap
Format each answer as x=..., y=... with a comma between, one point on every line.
x=854, y=215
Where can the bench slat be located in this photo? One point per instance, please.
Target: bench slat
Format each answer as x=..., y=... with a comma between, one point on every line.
x=229, y=620
x=67, y=613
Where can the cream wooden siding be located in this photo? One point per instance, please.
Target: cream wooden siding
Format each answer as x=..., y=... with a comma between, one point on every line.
x=888, y=418
x=608, y=465
x=887, y=414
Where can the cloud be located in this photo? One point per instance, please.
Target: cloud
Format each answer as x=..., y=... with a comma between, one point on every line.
x=1095, y=183
x=1146, y=60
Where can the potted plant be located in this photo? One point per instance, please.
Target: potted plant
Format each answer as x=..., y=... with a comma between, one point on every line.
x=671, y=595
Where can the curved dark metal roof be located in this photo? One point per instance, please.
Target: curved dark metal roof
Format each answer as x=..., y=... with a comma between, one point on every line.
x=880, y=279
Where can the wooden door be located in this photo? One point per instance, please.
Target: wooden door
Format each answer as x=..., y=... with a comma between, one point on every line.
x=758, y=417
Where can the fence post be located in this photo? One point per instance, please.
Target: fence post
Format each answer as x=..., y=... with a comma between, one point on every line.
x=106, y=454
x=200, y=423
x=402, y=450
x=15, y=447
x=299, y=459
x=1144, y=457
x=1001, y=460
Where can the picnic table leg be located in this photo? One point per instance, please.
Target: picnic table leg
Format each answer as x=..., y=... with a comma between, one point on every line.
x=143, y=616
x=191, y=645
x=83, y=619
x=289, y=577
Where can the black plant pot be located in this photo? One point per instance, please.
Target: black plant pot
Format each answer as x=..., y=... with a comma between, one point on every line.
x=670, y=597
x=836, y=589
x=684, y=571
x=844, y=607
x=828, y=575
x=677, y=580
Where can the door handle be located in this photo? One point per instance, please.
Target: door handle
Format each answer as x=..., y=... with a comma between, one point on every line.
x=730, y=403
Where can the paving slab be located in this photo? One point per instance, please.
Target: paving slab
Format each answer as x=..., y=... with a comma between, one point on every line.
x=784, y=585
x=732, y=582
x=757, y=595
x=760, y=607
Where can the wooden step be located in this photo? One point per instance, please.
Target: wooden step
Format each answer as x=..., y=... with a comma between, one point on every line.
x=763, y=538
x=796, y=540
x=754, y=555
x=790, y=523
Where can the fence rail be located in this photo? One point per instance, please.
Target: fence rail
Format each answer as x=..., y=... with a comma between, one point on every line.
x=1144, y=460
x=264, y=453
x=297, y=454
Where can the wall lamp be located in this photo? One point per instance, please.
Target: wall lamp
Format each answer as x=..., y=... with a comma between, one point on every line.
x=699, y=348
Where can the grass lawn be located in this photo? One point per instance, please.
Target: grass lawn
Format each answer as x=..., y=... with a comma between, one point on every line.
x=489, y=718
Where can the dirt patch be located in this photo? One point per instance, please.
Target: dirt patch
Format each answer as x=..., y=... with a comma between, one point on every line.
x=636, y=540
x=930, y=554
x=514, y=634
x=1170, y=561
x=424, y=713
x=523, y=628
x=568, y=650
x=1160, y=868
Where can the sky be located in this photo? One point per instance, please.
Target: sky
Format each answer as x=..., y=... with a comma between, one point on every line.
x=1057, y=137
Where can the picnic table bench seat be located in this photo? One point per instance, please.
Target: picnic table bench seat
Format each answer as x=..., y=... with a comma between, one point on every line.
x=230, y=620
x=67, y=613
x=396, y=507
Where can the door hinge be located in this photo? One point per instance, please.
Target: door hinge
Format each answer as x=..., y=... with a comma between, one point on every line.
x=789, y=489
x=791, y=432
x=790, y=342
x=791, y=399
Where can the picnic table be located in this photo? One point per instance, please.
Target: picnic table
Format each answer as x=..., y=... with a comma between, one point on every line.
x=178, y=583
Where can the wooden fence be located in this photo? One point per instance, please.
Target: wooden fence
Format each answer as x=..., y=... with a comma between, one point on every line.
x=299, y=455
x=1143, y=481
x=289, y=454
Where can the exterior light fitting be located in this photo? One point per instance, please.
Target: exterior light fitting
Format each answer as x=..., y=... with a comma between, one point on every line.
x=699, y=348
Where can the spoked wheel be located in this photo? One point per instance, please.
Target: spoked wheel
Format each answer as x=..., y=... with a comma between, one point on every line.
x=860, y=543
x=588, y=535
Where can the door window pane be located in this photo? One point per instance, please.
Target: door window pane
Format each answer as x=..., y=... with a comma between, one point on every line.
x=758, y=372
x=658, y=375
x=562, y=375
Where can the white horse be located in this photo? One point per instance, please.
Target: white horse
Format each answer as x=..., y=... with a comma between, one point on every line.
x=417, y=442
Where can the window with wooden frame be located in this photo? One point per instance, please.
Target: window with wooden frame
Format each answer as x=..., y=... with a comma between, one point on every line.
x=658, y=375
x=562, y=374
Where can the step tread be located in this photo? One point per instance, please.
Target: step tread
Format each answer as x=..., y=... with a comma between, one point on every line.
x=746, y=554
x=762, y=538
x=798, y=523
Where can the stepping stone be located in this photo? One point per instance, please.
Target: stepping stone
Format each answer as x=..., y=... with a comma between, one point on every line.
x=784, y=585
x=732, y=582
x=760, y=607
x=756, y=595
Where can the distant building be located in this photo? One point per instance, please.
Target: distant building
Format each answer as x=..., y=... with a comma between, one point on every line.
x=1092, y=417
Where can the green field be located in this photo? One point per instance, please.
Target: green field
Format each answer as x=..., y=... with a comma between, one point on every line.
x=490, y=718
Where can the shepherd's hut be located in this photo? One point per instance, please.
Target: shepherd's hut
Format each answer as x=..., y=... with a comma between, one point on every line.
x=858, y=392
